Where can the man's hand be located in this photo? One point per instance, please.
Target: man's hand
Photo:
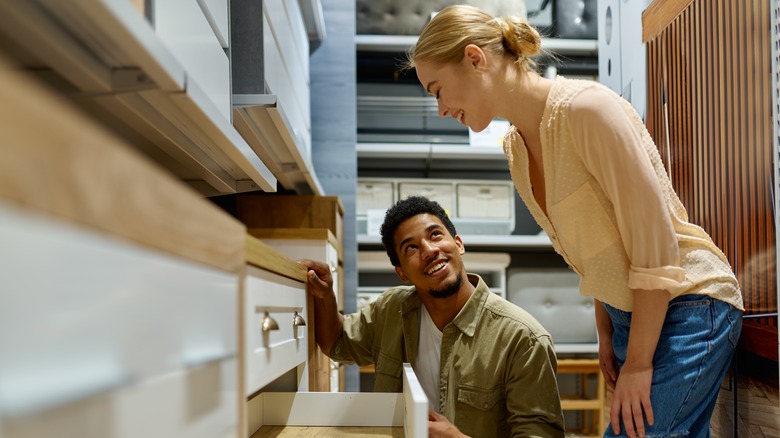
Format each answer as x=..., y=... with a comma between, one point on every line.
x=440, y=426
x=320, y=278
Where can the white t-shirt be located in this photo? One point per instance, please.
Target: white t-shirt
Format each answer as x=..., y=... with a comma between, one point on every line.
x=429, y=358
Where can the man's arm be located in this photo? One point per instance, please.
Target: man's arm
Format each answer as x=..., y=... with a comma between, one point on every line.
x=533, y=400
x=328, y=324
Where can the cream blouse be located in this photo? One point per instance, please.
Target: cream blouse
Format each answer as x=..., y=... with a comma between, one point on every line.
x=611, y=210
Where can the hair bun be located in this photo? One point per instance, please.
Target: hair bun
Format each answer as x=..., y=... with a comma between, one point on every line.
x=519, y=37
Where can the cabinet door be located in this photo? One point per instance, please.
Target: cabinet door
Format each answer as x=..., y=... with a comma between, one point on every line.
x=275, y=340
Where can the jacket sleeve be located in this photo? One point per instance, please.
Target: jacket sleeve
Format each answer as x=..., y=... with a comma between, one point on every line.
x=532, y=398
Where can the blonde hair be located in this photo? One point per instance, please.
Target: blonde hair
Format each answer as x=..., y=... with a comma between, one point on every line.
x=445, y=37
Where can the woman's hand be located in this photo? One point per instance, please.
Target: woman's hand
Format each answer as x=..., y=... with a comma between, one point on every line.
x=440, y=426
x=607, y=361
x=631, y=400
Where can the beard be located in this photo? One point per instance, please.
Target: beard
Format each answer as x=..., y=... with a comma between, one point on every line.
x=447, y=291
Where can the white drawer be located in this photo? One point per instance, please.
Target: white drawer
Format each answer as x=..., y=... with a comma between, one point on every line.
x=408, y=409
x=198, y=402
x=271, y=353
x=440, y=192
x=81, y=312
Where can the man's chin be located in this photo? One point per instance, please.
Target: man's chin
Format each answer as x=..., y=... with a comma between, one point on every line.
x=447, y=291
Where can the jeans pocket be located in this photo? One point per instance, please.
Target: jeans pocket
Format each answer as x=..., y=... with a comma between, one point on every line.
x=735, y=322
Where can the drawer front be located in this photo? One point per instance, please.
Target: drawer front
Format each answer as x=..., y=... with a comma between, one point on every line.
x=272, y=351
x=81, y=312
x=197, y=402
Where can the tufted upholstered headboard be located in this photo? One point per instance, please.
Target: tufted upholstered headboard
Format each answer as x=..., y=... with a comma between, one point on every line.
x=552, y=296
x=408, y=17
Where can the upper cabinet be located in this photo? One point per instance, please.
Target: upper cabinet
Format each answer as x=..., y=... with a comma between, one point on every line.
x=158, y=73
x=272, y=108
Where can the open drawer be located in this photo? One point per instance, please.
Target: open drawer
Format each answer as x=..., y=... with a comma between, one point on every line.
x=294, y=414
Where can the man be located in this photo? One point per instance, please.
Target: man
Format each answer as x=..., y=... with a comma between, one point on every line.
x=484, y=363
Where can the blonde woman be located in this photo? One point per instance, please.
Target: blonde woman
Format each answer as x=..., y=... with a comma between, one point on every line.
x=668, y=306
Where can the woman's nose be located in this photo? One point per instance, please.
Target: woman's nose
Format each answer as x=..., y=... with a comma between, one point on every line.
x=443, y=111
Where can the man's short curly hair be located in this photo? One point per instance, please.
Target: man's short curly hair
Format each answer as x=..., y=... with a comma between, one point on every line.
x=403, y=210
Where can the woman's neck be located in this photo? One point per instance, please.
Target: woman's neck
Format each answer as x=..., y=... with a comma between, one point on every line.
x=524, y=99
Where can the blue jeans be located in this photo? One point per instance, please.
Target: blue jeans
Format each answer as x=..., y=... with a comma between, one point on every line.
x=697, y=342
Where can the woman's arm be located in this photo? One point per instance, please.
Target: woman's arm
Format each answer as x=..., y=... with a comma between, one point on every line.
x=607, y=361
x=632, y=391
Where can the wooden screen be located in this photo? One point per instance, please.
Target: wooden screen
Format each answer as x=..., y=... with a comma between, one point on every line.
x=710, y=88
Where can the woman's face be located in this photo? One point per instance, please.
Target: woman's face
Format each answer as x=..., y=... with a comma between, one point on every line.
x=459, y=91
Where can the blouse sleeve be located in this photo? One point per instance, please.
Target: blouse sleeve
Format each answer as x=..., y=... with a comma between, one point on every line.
x=610, y=143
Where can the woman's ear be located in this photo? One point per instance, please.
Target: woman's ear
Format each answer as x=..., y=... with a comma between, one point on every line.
x=474, y=55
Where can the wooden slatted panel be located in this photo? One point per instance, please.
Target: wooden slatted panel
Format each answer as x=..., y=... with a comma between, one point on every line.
x=713, y=62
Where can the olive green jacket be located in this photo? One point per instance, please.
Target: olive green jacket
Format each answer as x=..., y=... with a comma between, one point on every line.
x=498, y=366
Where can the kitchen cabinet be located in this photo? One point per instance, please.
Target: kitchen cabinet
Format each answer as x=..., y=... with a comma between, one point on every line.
x=119, y=284
x=158, y=74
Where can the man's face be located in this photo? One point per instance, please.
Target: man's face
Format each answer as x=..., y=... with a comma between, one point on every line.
x=430, y=257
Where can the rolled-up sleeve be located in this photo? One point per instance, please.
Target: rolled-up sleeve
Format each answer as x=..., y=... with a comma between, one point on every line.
x=612, y=149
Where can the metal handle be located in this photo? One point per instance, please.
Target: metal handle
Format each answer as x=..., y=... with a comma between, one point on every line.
x=269, y=323
x=298, y=320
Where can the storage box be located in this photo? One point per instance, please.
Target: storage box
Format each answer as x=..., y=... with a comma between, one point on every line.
x=442, y=192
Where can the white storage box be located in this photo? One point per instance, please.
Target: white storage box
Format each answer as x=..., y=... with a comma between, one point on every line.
x=373, y=195
x=494, y=201
x=440, y=191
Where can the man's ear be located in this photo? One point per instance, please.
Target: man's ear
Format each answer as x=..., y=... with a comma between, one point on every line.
x=400, y=273
x=474, y=55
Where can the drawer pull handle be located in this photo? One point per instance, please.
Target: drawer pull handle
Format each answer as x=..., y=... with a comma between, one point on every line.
x=269, y=323
x=298, y=320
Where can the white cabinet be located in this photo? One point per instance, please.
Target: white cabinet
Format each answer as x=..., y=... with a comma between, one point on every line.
x=158, y=74
x=118, y=285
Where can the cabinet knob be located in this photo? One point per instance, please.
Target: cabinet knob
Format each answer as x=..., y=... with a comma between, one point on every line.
x=298, y=320
x=269, y=323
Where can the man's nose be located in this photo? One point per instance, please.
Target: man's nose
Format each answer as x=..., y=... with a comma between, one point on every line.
x=427, y=248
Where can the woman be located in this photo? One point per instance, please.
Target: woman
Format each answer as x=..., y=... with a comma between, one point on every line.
x=668, y=306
